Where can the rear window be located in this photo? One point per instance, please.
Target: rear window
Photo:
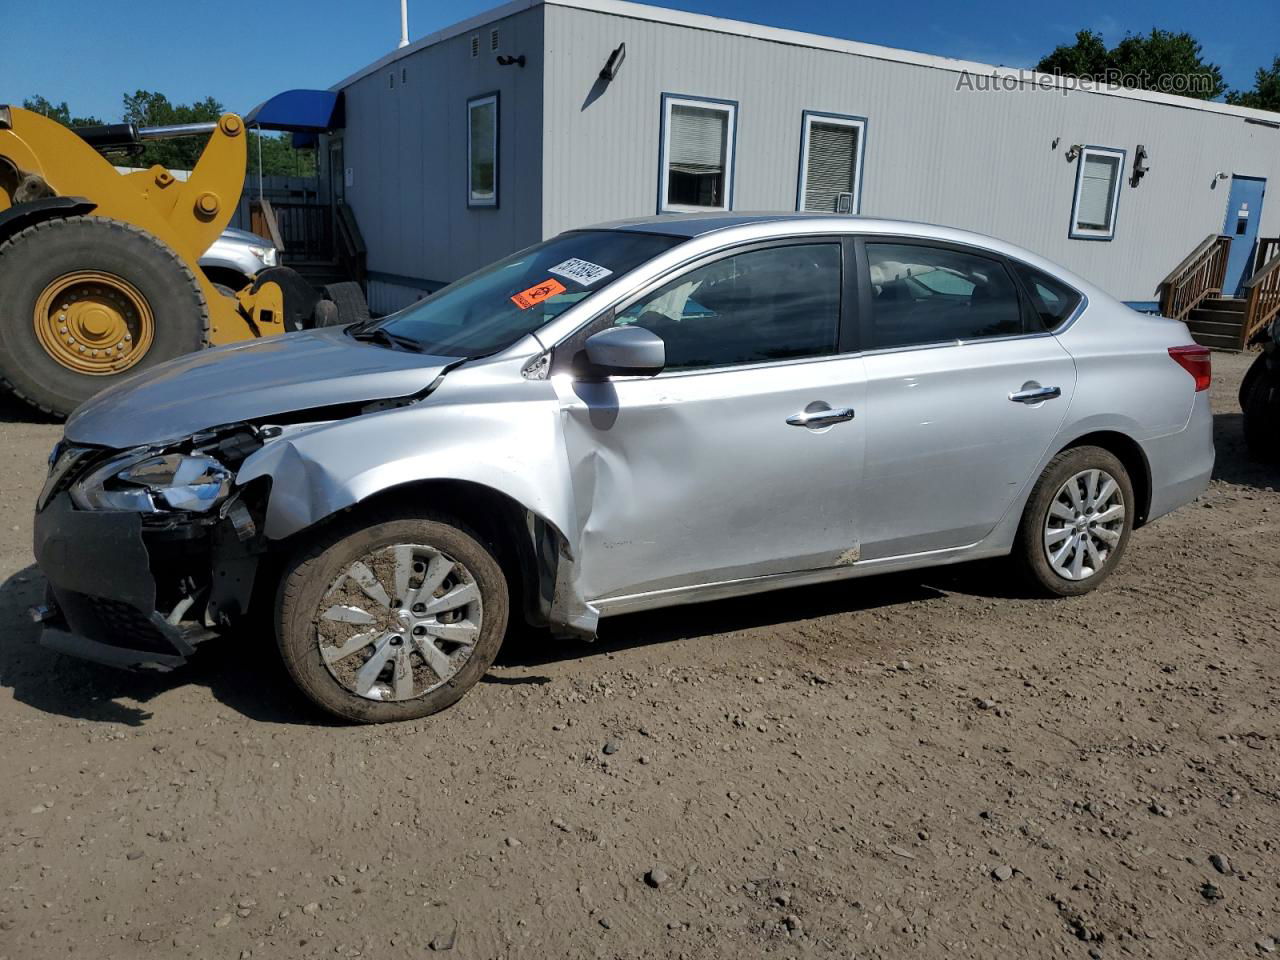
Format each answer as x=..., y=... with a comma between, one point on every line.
x=1052, y=299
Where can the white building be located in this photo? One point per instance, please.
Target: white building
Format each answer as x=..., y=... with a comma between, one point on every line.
x=544, y=115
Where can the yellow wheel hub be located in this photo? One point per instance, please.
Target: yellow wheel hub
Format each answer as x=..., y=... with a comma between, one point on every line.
x=94, y=323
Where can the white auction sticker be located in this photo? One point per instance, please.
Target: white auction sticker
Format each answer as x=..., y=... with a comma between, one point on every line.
x=582, y=271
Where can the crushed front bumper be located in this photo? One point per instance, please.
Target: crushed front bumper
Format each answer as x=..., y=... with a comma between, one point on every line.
x=103, y=591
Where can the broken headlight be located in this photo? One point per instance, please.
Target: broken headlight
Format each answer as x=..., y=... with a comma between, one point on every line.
x=151, y=484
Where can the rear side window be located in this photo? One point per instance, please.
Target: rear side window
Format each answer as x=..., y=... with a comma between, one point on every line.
x=1052, y=299
x=777, y=303
x=922, y=294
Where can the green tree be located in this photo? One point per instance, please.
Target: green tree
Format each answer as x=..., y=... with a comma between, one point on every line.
x=1161, y=60
x=147, y=109
x=57, y=111
x=279, y=158
x=1265, y=94
x=1087, y=57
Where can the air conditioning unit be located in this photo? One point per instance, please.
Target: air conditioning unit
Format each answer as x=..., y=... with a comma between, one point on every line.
x=844, y=203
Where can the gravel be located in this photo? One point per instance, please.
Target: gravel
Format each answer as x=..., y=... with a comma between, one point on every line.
x=850, y=805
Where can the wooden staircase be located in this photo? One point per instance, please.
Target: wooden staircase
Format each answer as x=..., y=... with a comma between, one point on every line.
x=1217, y=322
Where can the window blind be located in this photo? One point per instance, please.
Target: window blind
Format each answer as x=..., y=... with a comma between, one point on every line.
x=697, y=139
x=831, y=168
x=1097, y=191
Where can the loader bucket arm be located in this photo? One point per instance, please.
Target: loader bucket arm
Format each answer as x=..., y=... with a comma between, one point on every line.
x=41, y=158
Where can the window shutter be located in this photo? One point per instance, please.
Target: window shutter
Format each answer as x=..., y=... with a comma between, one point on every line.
x=697, y=139
x=1097, y=191
x=831, y=167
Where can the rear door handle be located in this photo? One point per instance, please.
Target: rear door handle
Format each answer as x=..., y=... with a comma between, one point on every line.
x=1036, y=395
x=821, y=418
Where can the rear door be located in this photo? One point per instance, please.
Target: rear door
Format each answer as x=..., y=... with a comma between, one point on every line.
x=965, y=391
x=741, y=459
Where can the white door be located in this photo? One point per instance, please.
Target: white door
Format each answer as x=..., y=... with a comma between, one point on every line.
x=964, y=394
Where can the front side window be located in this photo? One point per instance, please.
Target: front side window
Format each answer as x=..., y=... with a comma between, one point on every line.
x=776, y=303
x=1097, y=198
x=697, y=154
x=831, y=151
x=923, y=294
x=491, y=309
x=482, y=151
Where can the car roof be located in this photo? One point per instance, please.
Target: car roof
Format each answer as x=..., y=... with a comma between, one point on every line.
x=773, y=224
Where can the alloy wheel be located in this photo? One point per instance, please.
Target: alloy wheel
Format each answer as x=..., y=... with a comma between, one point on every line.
x=1084, y=524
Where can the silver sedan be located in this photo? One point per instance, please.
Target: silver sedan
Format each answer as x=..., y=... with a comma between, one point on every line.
x=621, y=418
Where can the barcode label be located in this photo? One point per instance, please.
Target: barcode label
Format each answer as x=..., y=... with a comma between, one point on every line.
x=581, y=271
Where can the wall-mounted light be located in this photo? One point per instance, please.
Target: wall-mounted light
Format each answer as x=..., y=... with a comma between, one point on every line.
x=509, y=61
x=614, y=63
x=1221, y=176
x=1074, y=151
x=1140, y=167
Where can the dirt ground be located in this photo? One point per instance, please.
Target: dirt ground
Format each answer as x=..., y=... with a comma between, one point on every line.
x=929, y=765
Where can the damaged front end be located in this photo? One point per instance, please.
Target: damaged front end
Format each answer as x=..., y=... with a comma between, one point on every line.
x=150, y=551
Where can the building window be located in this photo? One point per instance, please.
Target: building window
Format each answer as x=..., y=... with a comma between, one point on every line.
x=1093, y=212
x=482, y=151
x=697, y=154
x=831, y=149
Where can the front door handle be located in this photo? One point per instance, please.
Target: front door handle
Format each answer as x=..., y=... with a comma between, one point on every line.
x=822, y=417
x=1036, y=395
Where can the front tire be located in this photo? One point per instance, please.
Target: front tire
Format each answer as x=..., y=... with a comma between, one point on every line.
x=1076, y=523
x=393, y=619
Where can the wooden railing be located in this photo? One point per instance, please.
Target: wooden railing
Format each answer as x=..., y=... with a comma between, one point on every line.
x=304, y=230
x=1262, y=291
x=1268, y=247
x=1199, y=276
x=348, y=242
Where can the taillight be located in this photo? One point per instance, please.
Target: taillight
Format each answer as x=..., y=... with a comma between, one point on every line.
x=1196, y=361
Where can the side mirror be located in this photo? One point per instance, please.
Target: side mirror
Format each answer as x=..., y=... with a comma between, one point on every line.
x=626, y=352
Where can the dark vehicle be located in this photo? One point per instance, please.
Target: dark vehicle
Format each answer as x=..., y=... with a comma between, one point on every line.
x=1260, y=397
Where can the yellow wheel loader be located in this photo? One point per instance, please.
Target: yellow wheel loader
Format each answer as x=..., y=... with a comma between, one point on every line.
x=99, y=274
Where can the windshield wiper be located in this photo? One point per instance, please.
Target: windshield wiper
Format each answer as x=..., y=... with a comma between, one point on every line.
x=380, y=335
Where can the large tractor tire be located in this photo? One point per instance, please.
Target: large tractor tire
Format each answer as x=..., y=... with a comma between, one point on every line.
x=87, y=301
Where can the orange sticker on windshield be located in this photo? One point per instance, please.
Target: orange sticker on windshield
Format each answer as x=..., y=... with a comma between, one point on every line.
x=537, y=293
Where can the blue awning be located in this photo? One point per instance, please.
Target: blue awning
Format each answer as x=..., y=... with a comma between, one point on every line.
x=299, y=111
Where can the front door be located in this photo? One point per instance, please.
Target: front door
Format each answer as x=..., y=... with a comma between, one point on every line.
x=1244, y=214
x=964, y=395
x=743, y=458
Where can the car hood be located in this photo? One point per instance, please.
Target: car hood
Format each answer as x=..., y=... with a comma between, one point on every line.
x=249, y=381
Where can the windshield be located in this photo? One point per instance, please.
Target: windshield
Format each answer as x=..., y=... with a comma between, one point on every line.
x=494, y=307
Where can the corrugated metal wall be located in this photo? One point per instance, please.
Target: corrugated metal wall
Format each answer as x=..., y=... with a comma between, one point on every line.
x=979, y=160
x=405, y=144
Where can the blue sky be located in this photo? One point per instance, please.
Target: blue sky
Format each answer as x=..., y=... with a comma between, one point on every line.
x=254, y=49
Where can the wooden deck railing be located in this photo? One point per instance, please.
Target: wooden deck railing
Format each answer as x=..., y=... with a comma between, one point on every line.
x=1199, y=276
x=1262, y=291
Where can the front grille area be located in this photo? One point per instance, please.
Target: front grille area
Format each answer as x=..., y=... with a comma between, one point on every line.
x=128, y=627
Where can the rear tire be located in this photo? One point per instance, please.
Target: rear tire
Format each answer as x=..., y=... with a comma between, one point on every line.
x=360, y=651
x=152, y=279
x=1067, y=545
x=350, y=301
x=1262, y=418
